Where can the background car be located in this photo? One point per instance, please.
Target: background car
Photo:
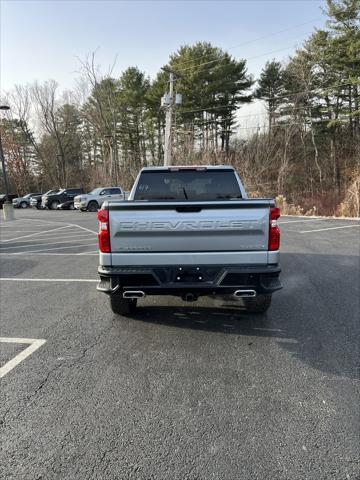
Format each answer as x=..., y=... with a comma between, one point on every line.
x=66, y=205
x=49, y=192
x=35, y=201
x=24, y=202
x=52, y=201
x=3, y=198
x=92, y=201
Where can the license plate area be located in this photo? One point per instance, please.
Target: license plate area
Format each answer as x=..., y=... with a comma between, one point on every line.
x=189, y=275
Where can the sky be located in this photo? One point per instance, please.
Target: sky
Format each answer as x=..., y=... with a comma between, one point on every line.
x=44, y=39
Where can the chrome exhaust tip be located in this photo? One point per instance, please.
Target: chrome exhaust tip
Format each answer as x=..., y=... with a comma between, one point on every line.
x=134, y=294
x=244, y=293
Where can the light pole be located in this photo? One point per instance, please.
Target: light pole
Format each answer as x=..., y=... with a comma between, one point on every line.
x=7, y=207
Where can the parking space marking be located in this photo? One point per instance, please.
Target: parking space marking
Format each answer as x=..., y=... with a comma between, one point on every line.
x=67, y=224
x=27, y=252
x=20, y=231
x=36, y=252
x=83, y=228
x=34, y=344
x=330, y=228
x=35, y=234
x=17, y=279
x=302, y=221
x=318, y=217
x=44, y=244
x=48, y=238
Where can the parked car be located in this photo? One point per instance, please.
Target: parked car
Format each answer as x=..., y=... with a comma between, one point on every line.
x=66, y=205
x=92, y=201
x=11, y=197
x=33, y=203
x=189, y=231
x=24, y=202
x=52, y=201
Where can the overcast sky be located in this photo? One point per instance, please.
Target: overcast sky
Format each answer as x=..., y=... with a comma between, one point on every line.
x=43, y=39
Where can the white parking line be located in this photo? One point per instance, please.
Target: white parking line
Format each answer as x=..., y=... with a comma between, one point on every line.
x=302, y=221
x=35, y=343
x=46, y=222
x=83, y=228
x=80, y=235
x=330, y=228
x=57, y=223
x=20, y=231
x=30, y=224
x=43, y=244
x=47, y=249
x=319, y=217
x=35, y=234
x=35, y=252
x=56, y=280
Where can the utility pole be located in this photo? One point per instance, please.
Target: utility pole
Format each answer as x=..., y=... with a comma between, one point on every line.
x=169, y=103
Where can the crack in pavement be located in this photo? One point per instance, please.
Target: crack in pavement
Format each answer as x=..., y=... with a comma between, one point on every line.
x=44, y=381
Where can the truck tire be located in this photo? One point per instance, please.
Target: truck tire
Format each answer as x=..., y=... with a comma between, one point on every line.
x=23, y=205
x=258, y=304
x=54, y=204
x=93, y=206
x=122, y=306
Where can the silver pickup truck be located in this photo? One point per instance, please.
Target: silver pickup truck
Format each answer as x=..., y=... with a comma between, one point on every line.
x=189, y=231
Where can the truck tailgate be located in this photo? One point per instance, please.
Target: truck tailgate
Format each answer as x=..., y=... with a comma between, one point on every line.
x=226, y=226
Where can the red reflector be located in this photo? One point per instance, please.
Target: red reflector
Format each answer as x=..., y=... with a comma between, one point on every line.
x=274, y=230
x=103, y=215
x=104, y=231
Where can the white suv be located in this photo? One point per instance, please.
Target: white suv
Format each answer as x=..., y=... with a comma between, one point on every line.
x=92, y=201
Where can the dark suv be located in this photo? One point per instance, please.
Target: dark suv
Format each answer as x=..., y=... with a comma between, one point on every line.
x=11, y=197
x=62, y=196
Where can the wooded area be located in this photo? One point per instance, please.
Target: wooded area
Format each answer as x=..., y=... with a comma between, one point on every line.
x=106, y=129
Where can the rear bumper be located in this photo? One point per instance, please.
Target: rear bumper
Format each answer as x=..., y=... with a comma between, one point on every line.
x=179, y=280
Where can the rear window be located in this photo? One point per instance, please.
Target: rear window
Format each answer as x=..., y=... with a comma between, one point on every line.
x=73, y=190
x=188, y=185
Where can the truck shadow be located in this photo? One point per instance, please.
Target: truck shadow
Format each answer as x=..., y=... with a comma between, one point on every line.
x=222, y=318
x=314, y=318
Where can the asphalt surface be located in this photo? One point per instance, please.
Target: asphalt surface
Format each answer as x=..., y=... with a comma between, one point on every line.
x=179, y=391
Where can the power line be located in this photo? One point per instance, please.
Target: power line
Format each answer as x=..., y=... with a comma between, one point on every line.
x=272, y=34
x=176, y=70
x=274, y=98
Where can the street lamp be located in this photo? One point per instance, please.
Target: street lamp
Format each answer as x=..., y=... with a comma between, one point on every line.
x=7, y=207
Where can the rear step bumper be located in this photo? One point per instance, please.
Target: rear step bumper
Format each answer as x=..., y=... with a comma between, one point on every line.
x=179, y=280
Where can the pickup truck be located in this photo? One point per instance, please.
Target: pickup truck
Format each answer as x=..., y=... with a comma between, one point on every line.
x=53, y=200
x=92, y=201
x=189, y=231
x=38, y=201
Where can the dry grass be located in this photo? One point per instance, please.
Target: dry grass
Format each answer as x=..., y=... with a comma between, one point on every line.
x=350, y=206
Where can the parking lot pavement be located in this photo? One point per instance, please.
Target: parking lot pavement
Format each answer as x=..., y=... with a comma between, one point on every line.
x=180, y=391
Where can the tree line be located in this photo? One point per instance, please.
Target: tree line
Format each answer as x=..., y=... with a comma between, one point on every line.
x=107, y=128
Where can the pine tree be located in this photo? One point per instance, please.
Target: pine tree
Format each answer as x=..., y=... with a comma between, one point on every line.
x=271, y=88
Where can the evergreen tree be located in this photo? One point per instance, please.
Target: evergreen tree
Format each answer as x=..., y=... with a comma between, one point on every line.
x=271, y=88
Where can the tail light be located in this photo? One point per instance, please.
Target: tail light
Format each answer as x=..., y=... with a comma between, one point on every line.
x=104, y=231
x=274, y=230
